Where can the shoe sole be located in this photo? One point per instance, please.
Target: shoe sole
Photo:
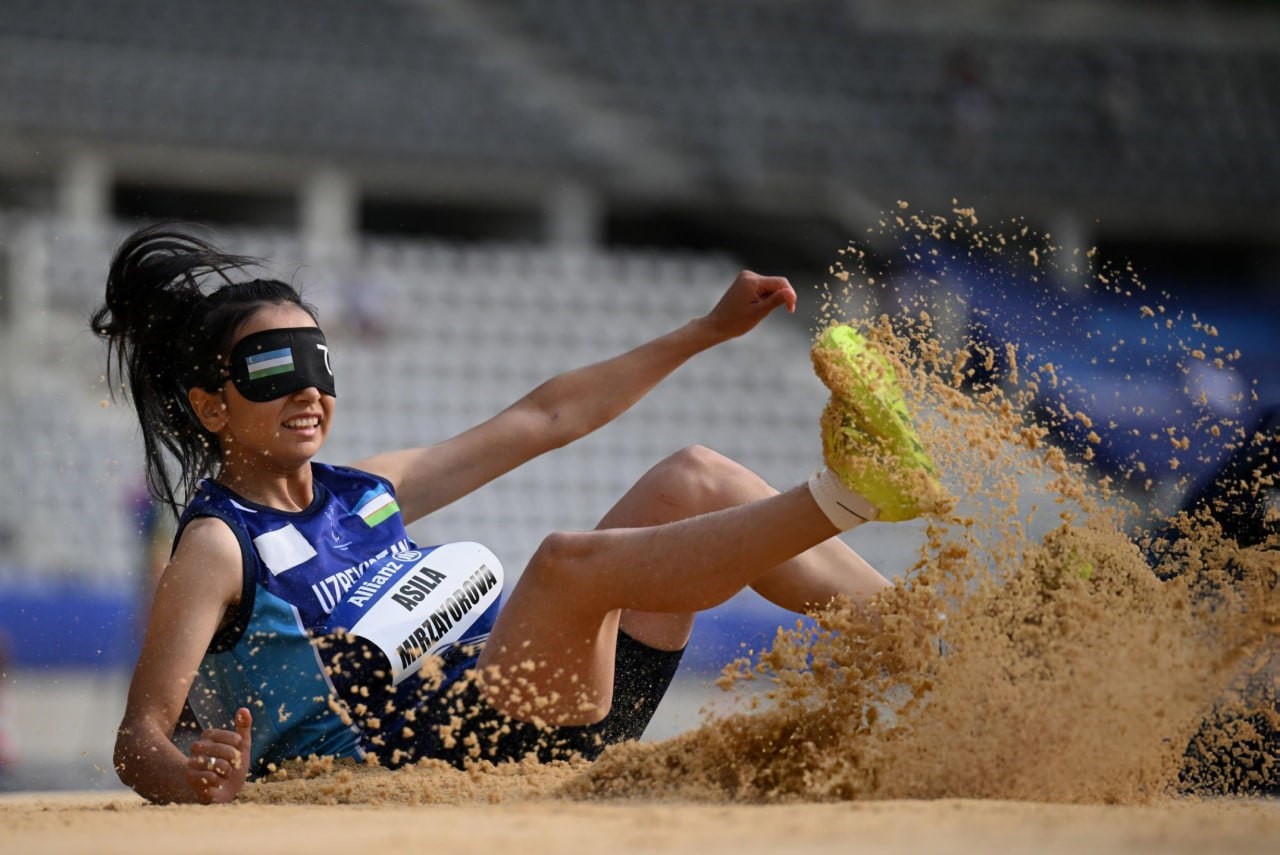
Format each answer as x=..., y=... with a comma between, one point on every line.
x=868, y=414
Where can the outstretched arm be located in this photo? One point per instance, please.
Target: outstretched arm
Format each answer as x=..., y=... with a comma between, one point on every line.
x=571, y=405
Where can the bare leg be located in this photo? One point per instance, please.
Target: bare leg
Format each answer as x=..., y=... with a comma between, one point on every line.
x=696, y=481
x=695, y=530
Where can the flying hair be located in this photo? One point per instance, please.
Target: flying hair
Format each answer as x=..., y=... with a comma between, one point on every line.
x=171, y=309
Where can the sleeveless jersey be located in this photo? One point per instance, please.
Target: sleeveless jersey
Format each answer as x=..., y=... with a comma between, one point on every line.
x=298, y=565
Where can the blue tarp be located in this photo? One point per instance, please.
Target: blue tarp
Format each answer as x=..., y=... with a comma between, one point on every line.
x=68, y=625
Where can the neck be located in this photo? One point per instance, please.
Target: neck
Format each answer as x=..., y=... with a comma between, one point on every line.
x=286, y=491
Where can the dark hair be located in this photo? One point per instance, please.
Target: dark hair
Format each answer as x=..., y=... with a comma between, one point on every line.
x=168, y=329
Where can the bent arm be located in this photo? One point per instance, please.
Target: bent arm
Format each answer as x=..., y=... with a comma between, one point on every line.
x=202, y=581
x=570, y=405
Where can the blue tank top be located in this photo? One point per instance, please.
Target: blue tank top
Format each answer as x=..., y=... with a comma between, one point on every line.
x=298, y=566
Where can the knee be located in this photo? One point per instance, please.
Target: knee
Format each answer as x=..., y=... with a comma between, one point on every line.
x=564, y=559
x=706, y=480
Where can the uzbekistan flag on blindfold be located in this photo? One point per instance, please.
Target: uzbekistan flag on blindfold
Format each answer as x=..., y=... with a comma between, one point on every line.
x=376, y=505
x=270, y=363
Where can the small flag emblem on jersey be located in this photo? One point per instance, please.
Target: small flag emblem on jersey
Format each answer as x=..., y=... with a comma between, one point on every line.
x=272, y=362
x=376, y=506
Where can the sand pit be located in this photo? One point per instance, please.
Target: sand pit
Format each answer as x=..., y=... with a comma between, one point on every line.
x=71, y=823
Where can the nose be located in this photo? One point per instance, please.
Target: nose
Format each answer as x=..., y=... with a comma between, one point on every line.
x=310, y=393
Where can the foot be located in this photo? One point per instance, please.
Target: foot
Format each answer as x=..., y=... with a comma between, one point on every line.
x=868, y=439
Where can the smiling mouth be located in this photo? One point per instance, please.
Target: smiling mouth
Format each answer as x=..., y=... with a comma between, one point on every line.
x=303, y=422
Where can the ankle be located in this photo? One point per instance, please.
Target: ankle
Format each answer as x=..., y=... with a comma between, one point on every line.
x=845, y=508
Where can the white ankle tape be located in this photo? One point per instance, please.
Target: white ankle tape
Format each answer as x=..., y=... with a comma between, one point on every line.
x=845, y=508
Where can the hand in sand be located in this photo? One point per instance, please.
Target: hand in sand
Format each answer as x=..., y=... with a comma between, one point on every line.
x=219, y=761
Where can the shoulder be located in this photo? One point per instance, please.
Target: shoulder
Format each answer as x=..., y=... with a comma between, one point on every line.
x=200, y=591
x=207, y=555
x=207, y=533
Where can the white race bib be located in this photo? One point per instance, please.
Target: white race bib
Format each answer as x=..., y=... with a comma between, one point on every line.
x=416, y=604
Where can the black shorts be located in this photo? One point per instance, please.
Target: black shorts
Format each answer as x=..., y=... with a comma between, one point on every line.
x=459, y=725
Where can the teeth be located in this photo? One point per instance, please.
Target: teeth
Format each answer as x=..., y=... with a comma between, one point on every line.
x=307, y=422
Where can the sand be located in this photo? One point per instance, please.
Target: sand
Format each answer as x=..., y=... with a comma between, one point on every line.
x=72, y=823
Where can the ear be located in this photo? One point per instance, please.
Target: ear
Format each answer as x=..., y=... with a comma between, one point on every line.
x=209, y=407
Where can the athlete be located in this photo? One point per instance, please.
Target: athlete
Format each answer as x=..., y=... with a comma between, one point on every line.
x=296, y=616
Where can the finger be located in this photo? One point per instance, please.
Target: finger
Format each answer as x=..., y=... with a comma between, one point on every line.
x=219, y=737
x=766, y=286
x=202, y=768
x=208, y=768
x=197, y=763
x=219, y=751
x=785, y=296
x=206, y=785
x=244, y=729
x=779, y=294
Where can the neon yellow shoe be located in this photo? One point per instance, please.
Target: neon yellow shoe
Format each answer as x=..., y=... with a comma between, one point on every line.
x=868, y=438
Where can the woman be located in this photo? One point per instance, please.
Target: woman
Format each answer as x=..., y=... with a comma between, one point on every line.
x=233, y=382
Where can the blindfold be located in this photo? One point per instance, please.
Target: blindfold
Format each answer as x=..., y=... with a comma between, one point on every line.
x=273, y=363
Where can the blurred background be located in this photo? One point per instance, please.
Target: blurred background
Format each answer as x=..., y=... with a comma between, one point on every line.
x=480, y=193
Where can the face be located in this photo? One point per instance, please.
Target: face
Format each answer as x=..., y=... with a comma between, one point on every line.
x=278, y=435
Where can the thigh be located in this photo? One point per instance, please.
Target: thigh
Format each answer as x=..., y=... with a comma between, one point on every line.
x=693, y=481
x=556, y=637
x=551, y=654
